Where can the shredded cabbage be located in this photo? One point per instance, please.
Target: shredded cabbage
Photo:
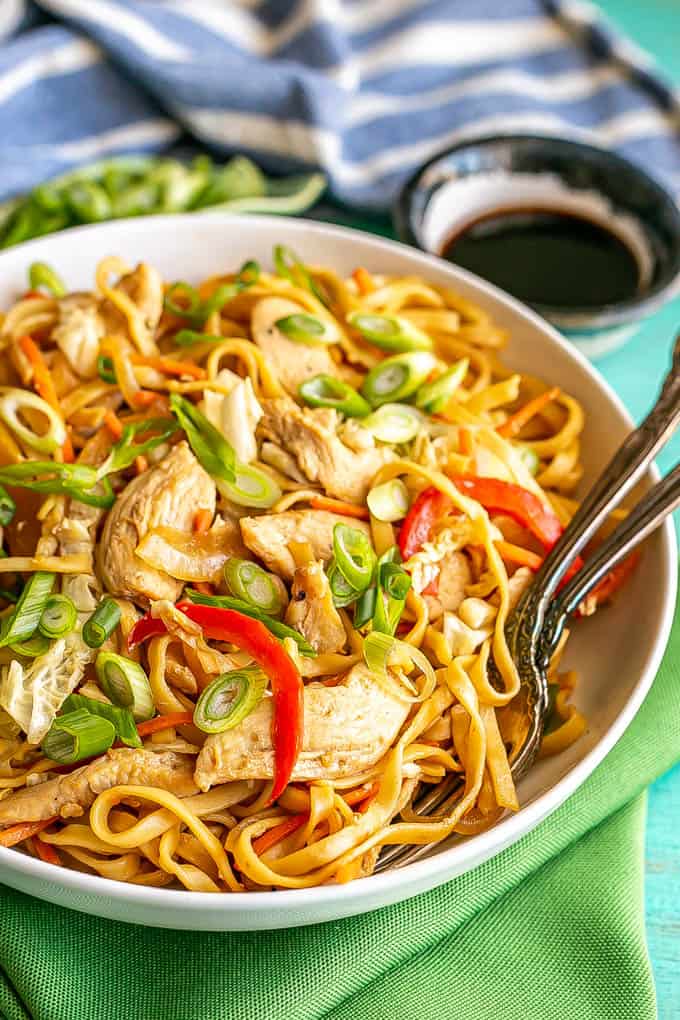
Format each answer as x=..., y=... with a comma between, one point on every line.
x=33, y=694
x=235, y=414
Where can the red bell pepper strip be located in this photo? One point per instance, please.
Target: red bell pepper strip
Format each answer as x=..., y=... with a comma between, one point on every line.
x=253, y=637
x=520, y=504
x=425, y=511
x=609, y=584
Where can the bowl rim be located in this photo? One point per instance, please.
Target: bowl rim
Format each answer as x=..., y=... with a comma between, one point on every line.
x=432, y=870
x=589, y=319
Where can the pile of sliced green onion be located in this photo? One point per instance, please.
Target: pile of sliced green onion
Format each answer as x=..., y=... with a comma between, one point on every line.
x=142, y=185
x=229, y=699
x=383, y=602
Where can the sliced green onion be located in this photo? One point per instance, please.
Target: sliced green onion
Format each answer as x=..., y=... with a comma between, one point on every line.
x=14, y=401
x=393, y=584
x=229, y=699
x=529, y=458
x=7, y=507
x=25, y=617
x=307, y=329
x=42, y=275
x=249, y=273
x=434, y=396
x=251, y=487
x=382, y=650
x=398, y=377
x=342, y=591
x=327, y=391
x=212, y=450
x=88, y=201
x=125, y=451
x=189, y=337
x=364, y=607
x=102, y=623
x=76, y=736
x=126, y=684
x=389, y=501
x=76, y=480
x=248, y=581
x=390, y=332
x=218, y=299
x=278, y=629
x=190, y=305
x=239, y=178
x=394, y=423
x=32, y=647
x=289, y=266
x=122, y=719
x=354, y=556
x=59, y=616
x=105, y=369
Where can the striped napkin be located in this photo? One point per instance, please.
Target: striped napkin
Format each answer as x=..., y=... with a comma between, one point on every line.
x=365, y=89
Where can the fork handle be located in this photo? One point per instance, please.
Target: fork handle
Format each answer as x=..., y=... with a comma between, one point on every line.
x=660, y=501
x=626, y=466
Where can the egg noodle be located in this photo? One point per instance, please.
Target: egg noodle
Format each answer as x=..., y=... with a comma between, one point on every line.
x=393, y=701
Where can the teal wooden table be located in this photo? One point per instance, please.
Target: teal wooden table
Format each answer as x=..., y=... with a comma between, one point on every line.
x=635, y=373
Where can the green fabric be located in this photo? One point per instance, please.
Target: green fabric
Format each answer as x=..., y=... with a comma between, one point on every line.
x=552, y=928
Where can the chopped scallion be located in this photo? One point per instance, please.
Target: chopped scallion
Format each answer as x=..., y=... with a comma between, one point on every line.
x=307, y=329
x=212, y=450
x=394, y=423
x=24, y=620
x=327, y=391
x=102, y=623
x=389, y=501
x=42, y=275
x=434, y=396
x=126, y=684
x=229, y=699
x=32, y=647
x=7, y=507
x=122, y=719
x=251, y=487
x=278, y=629
x=398, y=377
x=390, y=332
x=248, y=581
x=354, y=556
x=59, y=616
x=77, y=735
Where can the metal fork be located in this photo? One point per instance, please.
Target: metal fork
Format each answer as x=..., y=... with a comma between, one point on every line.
x=534, y=628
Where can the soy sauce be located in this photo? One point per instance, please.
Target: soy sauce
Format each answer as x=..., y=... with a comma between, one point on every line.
x=547, y=257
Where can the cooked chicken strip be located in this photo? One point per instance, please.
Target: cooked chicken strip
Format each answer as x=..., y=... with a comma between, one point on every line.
x=268, y=536
x=311, y=436
x=71, y=795
x=311, y=610
x=144, y=287
x=168, y=494
x=290, y=361
x=78, y=331
x=454, y=576
x=346, y=729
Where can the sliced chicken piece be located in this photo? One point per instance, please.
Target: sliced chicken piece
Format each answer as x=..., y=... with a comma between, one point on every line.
x=144, y=287
x=268, y=536
x=290, y=361
x=71, y=795
x=311, y=610
x=168, y=494
x=310, y=435
x=454, y=576
x=78, y=331
x=346, y=729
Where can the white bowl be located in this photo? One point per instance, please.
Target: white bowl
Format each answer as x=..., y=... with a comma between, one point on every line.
x=617, y=652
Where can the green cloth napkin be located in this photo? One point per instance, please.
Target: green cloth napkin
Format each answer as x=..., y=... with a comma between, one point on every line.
x=551, y=929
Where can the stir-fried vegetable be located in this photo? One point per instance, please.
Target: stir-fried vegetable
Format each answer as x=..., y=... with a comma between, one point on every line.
x=251, y=487
x=8, y=507
x=397, y=378
x=250, y=582
x=220, y=624
x=342, y=591
x=229, y=699
x=58, y=617
x=212, y=450
x=434, y=396
x=390, y=332
x=121, y=718
x=278, y=629
x=40, y=274
x=14, y=402
x=76, y=736
x=354, y=556
x=307, y=329
x=126, y=684
x=127, y=449
x=31, y=647
x=24, y=619
x=102, y=623
x=383, y=650
x=394, y=423
x=426, y=509
x=80, y=481
x=327, y=391
x=389, y=501
x=392, y=587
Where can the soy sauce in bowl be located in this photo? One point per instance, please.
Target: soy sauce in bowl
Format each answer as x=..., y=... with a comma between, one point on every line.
x=547, y=257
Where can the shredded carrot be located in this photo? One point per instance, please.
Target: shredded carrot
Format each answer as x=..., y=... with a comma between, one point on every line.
x=32, y=294
x=516, y=554
x=44, y=385
x=113, y=424
x=274, y=835
x=465, y=441
x=516, y=422
x=164, y=722
x=205, y=587
x=363, y=280
x=45, y=851
x=144, y=398
x=170, y=366
x=361, y=793
x=141, y=464
x=339, y=506
x=23, y=830
x=202, y=520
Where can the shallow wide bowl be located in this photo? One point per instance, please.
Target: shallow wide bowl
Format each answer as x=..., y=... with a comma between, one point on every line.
x=616, y=652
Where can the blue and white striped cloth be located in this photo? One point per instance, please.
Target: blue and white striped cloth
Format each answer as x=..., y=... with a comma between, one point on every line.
x=365, y=89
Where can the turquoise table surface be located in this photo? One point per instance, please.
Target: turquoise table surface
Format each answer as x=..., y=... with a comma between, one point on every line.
x=635, y=372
